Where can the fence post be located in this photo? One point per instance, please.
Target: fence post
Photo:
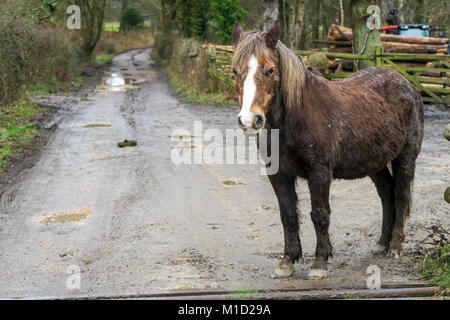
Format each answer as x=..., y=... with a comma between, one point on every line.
x=212, y=67
x=378, y=59
x=363, y=37
x=212, y=58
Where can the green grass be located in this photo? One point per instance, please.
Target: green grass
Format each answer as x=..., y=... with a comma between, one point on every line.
x=112, y=26
x=436, y=267
x=79, y=80
x=47, y=87
x=192, y=95
x=17, y=128
x=115, y=26
x=102, y=59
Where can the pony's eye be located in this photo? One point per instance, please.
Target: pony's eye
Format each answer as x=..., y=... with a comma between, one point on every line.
x=235, y=72
x=269, y=72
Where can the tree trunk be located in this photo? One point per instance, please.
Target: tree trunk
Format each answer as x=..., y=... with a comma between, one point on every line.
x=283, y=8
x=92, y=12
x=420, y=12
x=270, y=14
x=401, y=6
x=341, y=5
x=296, y=15
x=316, y=23
x=363, y=39
x=122, y=12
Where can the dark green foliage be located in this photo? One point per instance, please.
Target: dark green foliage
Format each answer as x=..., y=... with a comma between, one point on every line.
x=194, y=18
x=132, y=18
x=225, y=14
x=33, y=54
x=16, y=42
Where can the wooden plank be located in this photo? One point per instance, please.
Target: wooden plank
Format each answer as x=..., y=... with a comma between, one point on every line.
x=334, y=42
x=409, y=56
x=446, y=100
x=414, y=80
x=434, y=80
x=339, y=55
x=425, y=69
x=440, y=90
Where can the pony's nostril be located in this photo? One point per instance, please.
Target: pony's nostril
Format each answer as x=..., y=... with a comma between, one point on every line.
x=259, y=121
x=240, y=123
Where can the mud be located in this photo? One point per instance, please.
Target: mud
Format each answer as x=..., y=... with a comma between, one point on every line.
x=156, y=227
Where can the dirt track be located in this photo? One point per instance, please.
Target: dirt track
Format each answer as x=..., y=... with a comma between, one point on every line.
x=135, y=223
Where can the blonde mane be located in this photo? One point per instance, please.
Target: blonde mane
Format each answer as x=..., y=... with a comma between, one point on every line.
x=292, y=68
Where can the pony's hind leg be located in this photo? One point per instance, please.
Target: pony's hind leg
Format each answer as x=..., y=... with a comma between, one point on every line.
x=319, y=186
x=404, y=167
x=385, y=185
x=284, y=187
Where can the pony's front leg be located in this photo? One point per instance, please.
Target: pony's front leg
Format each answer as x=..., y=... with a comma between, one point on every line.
x=284, y=187
x=319, y=186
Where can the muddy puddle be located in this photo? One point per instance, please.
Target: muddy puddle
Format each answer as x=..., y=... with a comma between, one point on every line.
x=97, y=125
x=62, y=217
x=120, y=82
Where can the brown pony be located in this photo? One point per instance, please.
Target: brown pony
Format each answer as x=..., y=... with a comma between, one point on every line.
x=329, y=130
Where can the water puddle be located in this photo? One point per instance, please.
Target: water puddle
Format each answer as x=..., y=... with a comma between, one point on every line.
x=65, y=216
x=115, y=82
x=120, y=82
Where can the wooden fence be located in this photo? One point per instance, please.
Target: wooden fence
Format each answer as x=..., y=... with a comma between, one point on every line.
x=433, y=89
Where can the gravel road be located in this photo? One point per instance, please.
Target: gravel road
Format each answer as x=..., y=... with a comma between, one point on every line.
x=131, y=222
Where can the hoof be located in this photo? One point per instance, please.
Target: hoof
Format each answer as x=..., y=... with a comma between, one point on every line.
x=381, y=248
x=284, y=270
x=317, y=274
x=394, y=253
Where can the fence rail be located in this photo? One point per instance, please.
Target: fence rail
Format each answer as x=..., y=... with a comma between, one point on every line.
x=433, y=88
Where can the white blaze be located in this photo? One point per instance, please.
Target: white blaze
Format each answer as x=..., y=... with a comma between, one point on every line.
x=249, y=93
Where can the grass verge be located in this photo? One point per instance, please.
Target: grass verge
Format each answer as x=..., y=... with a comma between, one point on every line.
x=17, y=129
x=103, y=59
x=436, y=267
x=191, y=95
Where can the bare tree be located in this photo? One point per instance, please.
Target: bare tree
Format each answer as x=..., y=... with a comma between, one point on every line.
x=341, y=5
x=122, y=13
x=401, y=6
x=92, y=14
x=291, y=16
x=270, y=14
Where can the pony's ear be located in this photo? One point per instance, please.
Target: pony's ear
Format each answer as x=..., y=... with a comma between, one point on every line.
x=273, y=35
x=237, y=31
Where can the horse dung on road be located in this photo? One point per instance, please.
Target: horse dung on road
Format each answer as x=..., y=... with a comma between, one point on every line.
x=329, y=130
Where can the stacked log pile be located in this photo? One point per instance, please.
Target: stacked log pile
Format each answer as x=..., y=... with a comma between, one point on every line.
x=340, y=40
x=342, y=37
x=220, y=58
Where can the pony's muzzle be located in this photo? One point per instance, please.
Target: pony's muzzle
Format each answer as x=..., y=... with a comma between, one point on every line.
x=256, y=122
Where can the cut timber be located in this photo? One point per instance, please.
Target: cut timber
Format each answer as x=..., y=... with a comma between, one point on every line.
x=340, y=33
x=334, y=43
x=333, y=50
x=413, y=40
x=398, y=47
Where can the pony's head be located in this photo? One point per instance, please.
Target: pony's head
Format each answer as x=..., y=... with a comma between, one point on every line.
x=259, y=59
